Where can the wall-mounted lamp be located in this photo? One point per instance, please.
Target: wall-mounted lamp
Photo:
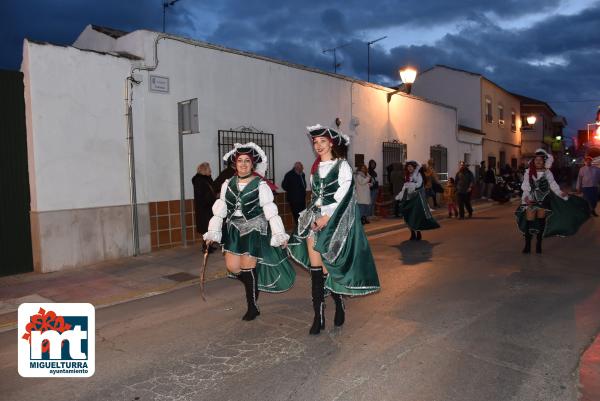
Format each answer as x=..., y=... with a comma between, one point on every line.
x=408, y=76
x=531, y=119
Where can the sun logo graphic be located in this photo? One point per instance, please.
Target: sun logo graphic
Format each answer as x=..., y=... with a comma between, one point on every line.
x=56, y=340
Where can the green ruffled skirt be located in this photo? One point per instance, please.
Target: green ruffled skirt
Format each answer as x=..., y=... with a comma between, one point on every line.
x=415, y=210
x=343, y=246
x=274, y=270
x=564, y=217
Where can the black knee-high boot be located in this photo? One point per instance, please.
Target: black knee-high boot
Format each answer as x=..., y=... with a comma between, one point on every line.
x=318, y=298
x=540, y=235
x=527, y=236
x=248, y=277
x=340, y=309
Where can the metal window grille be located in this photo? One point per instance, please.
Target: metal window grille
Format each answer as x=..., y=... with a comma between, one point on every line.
x=227, y=138
x=439, y=155
x=393, y=152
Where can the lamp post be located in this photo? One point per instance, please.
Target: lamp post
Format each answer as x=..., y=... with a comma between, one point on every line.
x=408, y=75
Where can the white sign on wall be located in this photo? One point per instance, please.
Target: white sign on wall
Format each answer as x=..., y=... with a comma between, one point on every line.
x=159, y=84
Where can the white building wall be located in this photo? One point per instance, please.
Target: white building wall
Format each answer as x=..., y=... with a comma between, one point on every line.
x=77, y=127
x=78, y=132
x=234, y=91
x=455, y=88
x=78, y=161
x=94, y=40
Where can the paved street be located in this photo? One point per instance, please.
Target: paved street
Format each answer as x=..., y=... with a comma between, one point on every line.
x=462, y=316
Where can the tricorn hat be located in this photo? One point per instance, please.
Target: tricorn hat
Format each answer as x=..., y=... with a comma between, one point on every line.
x=335, y=135
x=255, y=152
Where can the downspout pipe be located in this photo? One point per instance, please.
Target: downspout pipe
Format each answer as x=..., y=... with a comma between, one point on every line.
x=129, y=82
x=135, y=240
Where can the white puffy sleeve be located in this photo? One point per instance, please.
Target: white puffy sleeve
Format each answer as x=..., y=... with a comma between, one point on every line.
x=265, y=197
x=554, y=186
x=344, y=181
x=419, y=180
x=526, y=188
x=219, y=209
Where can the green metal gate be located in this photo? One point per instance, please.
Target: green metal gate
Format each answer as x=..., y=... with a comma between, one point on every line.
x=15, y=231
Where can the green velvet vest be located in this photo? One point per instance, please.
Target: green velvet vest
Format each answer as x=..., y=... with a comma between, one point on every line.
x=323, y=188
x=247, y=200
x=540, y=188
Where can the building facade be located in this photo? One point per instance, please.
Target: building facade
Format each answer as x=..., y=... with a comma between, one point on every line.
x=117, y=124
x=547, y=131
x=489, y=117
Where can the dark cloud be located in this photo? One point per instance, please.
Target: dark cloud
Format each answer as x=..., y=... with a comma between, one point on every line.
x=554, y=59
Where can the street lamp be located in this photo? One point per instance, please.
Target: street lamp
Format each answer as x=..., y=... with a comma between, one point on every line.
x=408, y=76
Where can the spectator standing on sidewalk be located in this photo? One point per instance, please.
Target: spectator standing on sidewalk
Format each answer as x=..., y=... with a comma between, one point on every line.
x=204, y=198
x=294, y=184
x=430, y=182
x=490, y=181
x=363, y=192
x=450, y=197
x=587, y=182
x=464, y=186
x=481, y=179
x=374, y=185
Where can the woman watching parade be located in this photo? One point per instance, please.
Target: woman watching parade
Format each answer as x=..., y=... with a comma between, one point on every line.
x=413, y=203
x=253, y=234
x=545, y=209
x=329, y=239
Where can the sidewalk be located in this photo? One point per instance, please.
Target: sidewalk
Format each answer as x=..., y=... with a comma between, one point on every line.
x=109, y=283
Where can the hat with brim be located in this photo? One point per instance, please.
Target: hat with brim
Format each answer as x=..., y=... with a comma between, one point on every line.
x=252, y=150
x=336, y=136
x=548, y=158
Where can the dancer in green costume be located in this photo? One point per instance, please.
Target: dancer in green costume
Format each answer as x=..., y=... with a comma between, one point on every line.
x=545, y=209
x=329, y=239
x=253, y=234
x=413, y=202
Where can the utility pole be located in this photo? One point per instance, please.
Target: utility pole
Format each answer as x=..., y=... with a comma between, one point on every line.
x=167, y=4
x=369, y=56
x=334, y=51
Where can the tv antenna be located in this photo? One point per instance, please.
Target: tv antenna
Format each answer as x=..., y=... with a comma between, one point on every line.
x=369, y=56
x=334, y=51
x=167, y=4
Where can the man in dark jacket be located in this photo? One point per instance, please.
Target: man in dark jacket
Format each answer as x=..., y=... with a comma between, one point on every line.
x=464, y=185
x=294, y=183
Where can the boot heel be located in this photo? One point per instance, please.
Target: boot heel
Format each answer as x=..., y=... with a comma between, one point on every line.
x=318, y=299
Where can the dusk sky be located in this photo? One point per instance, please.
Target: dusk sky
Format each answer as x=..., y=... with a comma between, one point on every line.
x=546, y=49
